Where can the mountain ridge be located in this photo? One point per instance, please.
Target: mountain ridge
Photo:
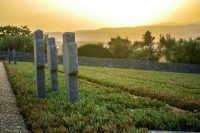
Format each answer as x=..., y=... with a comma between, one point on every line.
x=134, y=33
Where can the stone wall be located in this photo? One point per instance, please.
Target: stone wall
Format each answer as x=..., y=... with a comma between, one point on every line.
x=21, y=56
x=119, y=63
x=145, y=65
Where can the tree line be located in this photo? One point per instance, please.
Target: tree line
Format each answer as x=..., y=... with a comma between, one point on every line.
x=168, y=47
x=18, y=38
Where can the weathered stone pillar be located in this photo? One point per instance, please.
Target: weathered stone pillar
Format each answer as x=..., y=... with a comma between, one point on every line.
x=39, y=61
x=9, y=56
x=14, y=57
x=52, y=63
x=70, y=60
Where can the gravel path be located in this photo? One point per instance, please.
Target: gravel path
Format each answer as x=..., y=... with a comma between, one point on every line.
x=11, y=121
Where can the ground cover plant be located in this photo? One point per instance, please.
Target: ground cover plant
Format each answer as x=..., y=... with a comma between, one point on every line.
x=104, y=108
x=176, y=89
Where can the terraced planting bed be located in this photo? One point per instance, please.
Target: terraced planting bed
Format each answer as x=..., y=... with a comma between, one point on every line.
x=110, y=100
x=176, y=89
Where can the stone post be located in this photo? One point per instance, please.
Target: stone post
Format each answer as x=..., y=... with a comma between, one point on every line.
x=9, y=56
x=39, y=62
x=14, y=57
x=52, y=63
x=70, y=60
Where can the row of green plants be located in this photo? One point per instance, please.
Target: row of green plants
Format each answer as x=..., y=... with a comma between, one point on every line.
x=178, y=94
x=171, y=78
x=99, y=109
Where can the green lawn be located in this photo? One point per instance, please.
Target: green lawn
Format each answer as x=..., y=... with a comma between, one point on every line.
x=110, y=100
x=176, y=89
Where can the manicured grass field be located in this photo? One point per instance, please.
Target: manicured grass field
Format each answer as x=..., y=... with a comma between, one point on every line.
x=176, y=89
x=110, y=100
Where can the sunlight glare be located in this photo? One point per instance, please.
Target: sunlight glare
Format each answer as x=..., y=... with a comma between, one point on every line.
x=119, y=13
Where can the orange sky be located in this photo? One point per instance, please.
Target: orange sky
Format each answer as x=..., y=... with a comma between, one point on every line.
x=72, y=15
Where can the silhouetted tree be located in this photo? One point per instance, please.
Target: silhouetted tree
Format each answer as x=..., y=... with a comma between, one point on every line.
x=149, y=46
x=145, y=50
x=120, y=47
x=167, y=46
x=14, y=30
x=18, y=38
x=187, y=51
x=148, y=38
x=181, y=51
x=94, y=50
x=138, y=45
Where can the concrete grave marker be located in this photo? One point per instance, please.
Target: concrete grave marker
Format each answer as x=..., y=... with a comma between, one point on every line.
x=70, y=60
x=14, y=57
x=39, y=62
x=9, y=56
x=52, y=63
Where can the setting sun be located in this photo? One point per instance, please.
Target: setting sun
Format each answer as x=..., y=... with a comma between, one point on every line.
x=62, y=15
x=119, y=13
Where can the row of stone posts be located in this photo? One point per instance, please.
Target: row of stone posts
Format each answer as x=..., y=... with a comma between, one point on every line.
x=12, y=55
x=70, y=60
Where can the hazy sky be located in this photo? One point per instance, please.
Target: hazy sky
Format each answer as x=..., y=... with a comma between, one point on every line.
x=72, y=15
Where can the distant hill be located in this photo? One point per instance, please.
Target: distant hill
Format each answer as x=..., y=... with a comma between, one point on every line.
x=134, y=33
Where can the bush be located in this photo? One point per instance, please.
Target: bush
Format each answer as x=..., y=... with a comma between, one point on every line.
x=145, y=50
x=120, y=47
x=94, y=50
x=180, y=51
